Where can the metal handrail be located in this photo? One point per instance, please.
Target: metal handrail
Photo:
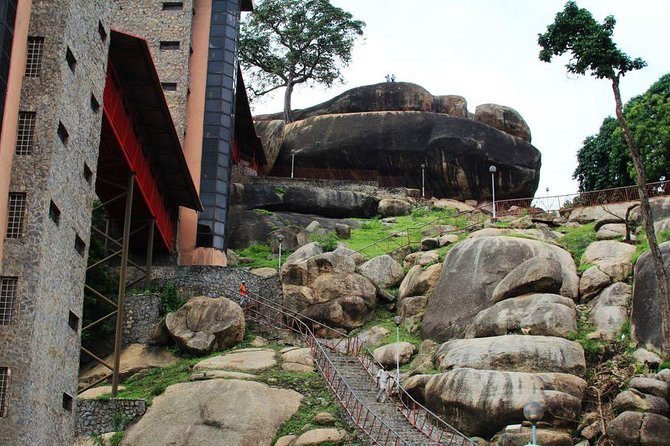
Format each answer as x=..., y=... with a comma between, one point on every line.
x=423, y=419
x=367, y=420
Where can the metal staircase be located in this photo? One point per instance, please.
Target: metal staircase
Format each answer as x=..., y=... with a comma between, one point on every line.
x=348, y=369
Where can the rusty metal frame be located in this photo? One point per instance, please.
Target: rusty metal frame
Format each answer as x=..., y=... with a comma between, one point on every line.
x=113, y=248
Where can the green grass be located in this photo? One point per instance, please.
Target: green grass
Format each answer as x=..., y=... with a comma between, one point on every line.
x=373, y=230
x=384, y=318
x=642, y=244
x=664, y=365
x=261, y=255
x=577, y=239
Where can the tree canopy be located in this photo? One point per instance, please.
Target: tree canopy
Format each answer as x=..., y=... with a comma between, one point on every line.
x=604, y=161
x=284, y=43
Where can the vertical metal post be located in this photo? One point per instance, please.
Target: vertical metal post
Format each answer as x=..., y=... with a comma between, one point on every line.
x=534, y=434
x=108, y=228
x=150, y=254
x=122, y=283
x=423, y=180
x=279, y=268
x=397, y=359
x=292, y=161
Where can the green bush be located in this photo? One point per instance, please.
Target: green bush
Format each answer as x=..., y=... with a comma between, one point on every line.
x=327, y=241
x=171, y=301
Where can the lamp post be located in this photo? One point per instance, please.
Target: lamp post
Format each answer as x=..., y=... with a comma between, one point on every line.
x=493, y=170
x=280, y=238
x=397, y=321
x=423, y=180
x=533, y=412
x=292, y=161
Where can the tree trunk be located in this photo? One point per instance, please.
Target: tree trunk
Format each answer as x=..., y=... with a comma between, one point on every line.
x=287, y=101
x=659, y=269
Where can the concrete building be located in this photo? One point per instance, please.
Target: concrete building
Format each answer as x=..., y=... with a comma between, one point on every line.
x=83, y=110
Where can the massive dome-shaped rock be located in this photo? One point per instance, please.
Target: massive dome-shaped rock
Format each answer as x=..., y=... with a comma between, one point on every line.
x=272, y=135
x=503, y=118
x=472, y=270
x=646, y=311
x=482, y=402
x=204, y=324
x=457, y=152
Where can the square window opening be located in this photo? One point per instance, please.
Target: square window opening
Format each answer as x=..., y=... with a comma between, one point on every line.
x=54, y=213
x=79, y=245
x=95, y=105
x=25, y=135
x=173, y=6
x=34, y=56
x=63, y=133
x=4, y=389
x=73, y=321
x=71, y=60
x=67, y=402
x=169, y=86
x=88, y=174
x=169, y=45
x=8, y=289
x=16, y=214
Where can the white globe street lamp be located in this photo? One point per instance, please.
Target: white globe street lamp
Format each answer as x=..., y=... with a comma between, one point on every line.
x=533, y=412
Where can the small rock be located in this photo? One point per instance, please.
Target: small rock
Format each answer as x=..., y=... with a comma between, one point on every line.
x=650, y=386
x=264, y=272
x=219, y=374
x=592, y=281
x=343, y=231
x=522, y=223
x=448, y=239
x=430, y=243
x=286, y=440
x=545, y=437
x=318, y=436
x=259, y=341
x=313, y=226
x=391, y=207
x=421, y=258
x=373, y=336
x=298, y=360
x=247, y=359
x=611, y=231
x=639, y=402
x=324, y=418
x=664, y=375
x=644, y=356
x=535, y=275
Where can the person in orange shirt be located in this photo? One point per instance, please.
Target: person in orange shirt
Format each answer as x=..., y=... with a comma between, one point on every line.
x=244, y=298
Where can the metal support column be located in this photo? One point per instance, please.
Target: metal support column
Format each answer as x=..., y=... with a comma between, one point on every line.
x=150, y=253
x=122, y=283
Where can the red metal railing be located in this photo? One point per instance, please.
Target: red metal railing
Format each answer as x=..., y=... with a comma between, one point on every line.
x=437, y=431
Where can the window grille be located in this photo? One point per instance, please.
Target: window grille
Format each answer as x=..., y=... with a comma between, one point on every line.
x=169, y=86
x=173, y=6
x=169, y=45
x=15, y=215
x=8, y=287
x=4, y=386
x=26, y=133
x=67, y=402
x=34, y=56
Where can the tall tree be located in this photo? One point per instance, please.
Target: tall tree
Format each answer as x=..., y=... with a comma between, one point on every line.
x=593, y=51
x=604, y=160
x=285, y=43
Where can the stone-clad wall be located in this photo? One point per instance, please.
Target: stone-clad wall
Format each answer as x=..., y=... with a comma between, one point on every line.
x=40, y=348
x=142, y=311
x=96, y=417
x=147, y=19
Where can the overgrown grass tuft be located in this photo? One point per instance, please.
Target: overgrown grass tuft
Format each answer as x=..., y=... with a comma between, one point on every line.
x=262, y=256
x=577, y=239
x=643, y=243
x=384, y=318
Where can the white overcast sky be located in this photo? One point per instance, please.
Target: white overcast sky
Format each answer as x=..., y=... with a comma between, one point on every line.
x=486, y=51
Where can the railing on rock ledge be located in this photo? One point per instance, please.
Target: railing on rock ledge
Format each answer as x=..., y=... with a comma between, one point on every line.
x=437, y=431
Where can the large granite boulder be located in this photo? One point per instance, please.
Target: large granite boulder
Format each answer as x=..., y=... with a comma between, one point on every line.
x=660, y=209
x=592, y=281
x=535, y=275
x=611, y=257
x=646, y=310
x=639, y=429
x=536, y=314
x=513, y=353
x=637, y=401
x=451, y=105
x=387, y=355
x=383, y=271
x=472, y=270
x=503, y=118
x=394, y=144
x=609, y=311
x=651, y=386
x=523, y=437
x=214, y=412
x=271, y=134
x=204, y=325
x=392, y=207
x=419, y=282
x=242, y=360
x=482, y=402
x=305, y=272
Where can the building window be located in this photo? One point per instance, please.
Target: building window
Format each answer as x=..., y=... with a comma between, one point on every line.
x=26, y=133
x=62, y=133
x=34, y=56
x=15, y=215
x=95, y=105
x=169, y=86
x=4, y=386
x=8, y=286
x=88, y=174
x=79, y=245
x=71, y=60
x=102, y=31
x=73, y=321
x=169, y=45
x=54, y=213
x=67, y=402
x=173, y=6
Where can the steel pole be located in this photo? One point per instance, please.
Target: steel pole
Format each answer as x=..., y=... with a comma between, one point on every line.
x=292, y=163
x=423, y=182
x=122, y=284
x=493, y=189
x=279, y=268
x=150, y=254
x=397, y=359
x=533, y=434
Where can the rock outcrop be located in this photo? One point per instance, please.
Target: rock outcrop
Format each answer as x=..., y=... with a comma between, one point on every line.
x=204, y=325
x=469, y=277
x=503, y=118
